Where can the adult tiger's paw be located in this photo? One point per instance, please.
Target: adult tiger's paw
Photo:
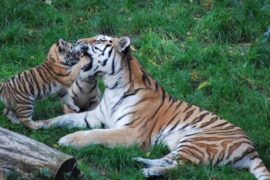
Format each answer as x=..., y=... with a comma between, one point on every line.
x=69, y=140
x=75, y=140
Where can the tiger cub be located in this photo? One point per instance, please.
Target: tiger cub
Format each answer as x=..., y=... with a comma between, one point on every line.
x=136, y=110
x=84, y=92
x=56, y=74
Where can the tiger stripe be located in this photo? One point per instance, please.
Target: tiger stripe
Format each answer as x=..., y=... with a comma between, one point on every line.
x=20, y=92
x=135, y=109
x=84, y=93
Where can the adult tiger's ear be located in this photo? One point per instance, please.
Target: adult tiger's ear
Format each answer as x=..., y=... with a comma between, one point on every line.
x=123, y=44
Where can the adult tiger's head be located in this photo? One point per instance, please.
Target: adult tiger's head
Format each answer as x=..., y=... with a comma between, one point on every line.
x=62, y=53
x=105, y=54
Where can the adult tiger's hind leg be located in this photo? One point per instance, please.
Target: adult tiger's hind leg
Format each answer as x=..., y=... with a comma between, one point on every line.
x=221, y=147
x=158, y=171
x=216, y=148
x=162, y=162
x=158, y=167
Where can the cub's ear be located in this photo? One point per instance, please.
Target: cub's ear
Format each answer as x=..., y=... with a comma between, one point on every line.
x=123, y=43
x=61, y=42
x=61, y=45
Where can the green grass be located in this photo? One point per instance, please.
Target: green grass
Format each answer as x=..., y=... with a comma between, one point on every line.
x=214, y=58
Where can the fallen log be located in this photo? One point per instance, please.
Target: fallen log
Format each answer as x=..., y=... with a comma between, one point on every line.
x=26, y=158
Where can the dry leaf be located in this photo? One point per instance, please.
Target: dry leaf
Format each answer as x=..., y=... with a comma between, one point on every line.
x=203, y=85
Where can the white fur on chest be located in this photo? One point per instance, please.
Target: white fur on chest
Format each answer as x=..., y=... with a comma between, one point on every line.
x=118, y=111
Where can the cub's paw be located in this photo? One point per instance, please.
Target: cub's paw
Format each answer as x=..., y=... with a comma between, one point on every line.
x=74, y=108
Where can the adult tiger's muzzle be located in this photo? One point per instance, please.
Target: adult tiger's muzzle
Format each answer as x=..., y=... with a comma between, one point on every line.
x=79, y=51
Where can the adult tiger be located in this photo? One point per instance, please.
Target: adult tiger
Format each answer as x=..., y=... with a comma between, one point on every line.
x=55, y=75
x=135, y=109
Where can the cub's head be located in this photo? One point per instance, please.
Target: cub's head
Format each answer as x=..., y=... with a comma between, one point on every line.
x=62, y=53
x=106, y=54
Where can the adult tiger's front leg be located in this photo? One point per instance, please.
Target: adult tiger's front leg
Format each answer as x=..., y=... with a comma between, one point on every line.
x=107, y=137
x=87, y=119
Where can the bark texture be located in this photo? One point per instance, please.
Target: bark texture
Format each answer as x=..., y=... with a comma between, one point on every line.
x=26, y=158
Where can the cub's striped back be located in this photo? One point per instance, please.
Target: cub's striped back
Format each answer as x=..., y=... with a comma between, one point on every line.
x=57, y=73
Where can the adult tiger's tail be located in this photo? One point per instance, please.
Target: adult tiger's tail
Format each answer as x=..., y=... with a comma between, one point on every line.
x=258, y=169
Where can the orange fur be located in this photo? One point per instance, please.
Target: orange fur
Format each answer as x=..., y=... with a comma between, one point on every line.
x=56, y=74
x=135, y=109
